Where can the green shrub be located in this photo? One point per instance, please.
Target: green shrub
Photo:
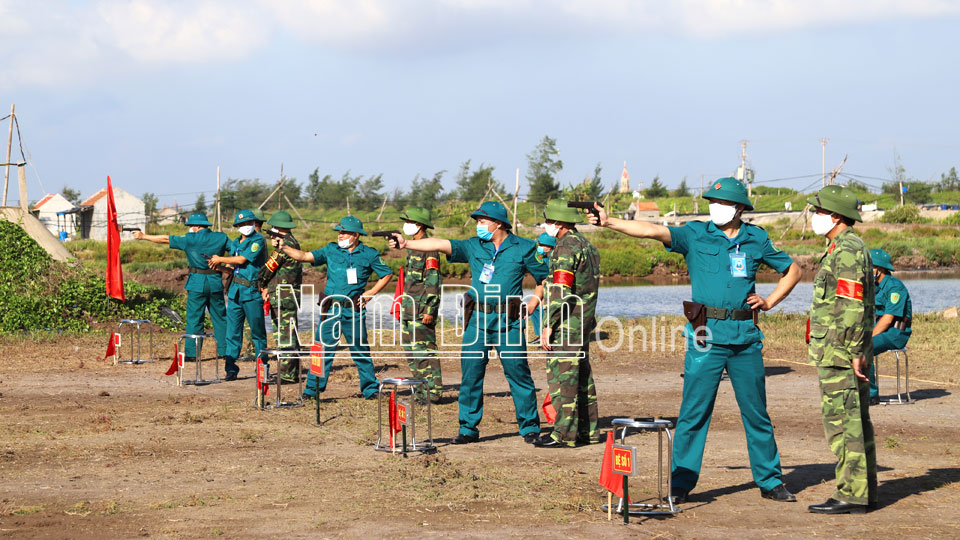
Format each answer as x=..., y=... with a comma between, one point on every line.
x=903, y=214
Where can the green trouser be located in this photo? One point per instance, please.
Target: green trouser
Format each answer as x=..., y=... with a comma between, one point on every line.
x=421, y=341
x=573, y=395
x=701, y=377
x=284, y=317
x=475, y=353
x=883, y=342
x=237, y=312
x=849, y=432
x=197, y=303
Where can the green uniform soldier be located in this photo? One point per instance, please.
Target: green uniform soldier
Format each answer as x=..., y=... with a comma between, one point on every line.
x=841, y=322
x=350, y=263
x=421, y=283
x=248, y=348
x=894, y=314
x=571, y=290
x=498, y=262
x=545, y=244
x=247, y=255
x=723, y=256
x=204, y=286
x=279, y=270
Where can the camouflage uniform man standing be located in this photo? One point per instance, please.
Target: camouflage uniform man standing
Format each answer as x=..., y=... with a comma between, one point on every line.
x=422, y=283
x=282, y=269
x=841, y=323
x=573, y=281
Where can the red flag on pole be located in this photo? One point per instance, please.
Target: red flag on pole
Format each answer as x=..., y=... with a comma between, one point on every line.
x=113, y=349
x=262, y=383
x=114, y=270
x=610, y=481
x=176, y=360
x=396, y=306
x=549, y=412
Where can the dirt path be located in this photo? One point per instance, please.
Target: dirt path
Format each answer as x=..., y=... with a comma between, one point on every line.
x=95, y=451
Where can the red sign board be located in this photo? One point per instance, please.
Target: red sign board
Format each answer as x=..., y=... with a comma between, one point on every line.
x=402, y=413
x=624, y=458
x=316, y=360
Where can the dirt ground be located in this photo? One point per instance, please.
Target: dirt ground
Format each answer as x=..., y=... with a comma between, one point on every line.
x=91, y=450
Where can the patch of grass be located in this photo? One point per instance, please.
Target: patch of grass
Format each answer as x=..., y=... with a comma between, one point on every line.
x=891, y=442
x=25, y=510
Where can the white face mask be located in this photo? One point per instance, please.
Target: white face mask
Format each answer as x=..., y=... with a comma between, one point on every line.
x=345, y=244
x=552, y=229
x=822, y=224
x=246, y=230
x=722, y=214
x=410, y=229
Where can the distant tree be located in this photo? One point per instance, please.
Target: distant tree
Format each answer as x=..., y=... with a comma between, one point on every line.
x=71, y=195
x=590, y=189
x=543, y=165
x=201, y=204
x=856, y=186
x=369, y=193
x=682, y=190
x=656, y=189
x=472, y=185
x=150, y=202
x=426, y=192
x=949, y=181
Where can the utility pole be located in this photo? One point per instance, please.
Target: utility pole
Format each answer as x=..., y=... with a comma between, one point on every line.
x=516, y=196
x=823, y=162
x=6, y=174
x=901, y=192
x=219, y=227
x=743, y=167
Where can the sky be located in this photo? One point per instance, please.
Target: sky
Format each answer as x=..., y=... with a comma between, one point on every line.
x=159, y=94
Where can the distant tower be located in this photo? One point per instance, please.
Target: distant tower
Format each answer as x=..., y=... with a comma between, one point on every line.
x=744, y=173
x=624, y=179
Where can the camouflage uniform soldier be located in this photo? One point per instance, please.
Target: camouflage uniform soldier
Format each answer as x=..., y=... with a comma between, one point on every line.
x=841, y=323
x=281, y=269
x=573, y=282
x=422, y=284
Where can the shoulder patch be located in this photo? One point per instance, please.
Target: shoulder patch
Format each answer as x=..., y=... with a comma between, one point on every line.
x=848, y=288
x=894, y=297
x=255, y=247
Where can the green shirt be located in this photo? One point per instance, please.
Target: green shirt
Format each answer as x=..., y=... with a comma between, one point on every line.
x=893, y=299
x=364, y=258
x=196, y=245
x=515, y=257
x=253, y=249
x=707, y=251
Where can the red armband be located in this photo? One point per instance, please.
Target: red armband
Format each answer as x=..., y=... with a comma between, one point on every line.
x=563, y=277
x=433, y=263
x=272, y=263
x=848, y=288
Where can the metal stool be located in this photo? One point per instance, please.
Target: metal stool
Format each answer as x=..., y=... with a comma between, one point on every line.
x=906, y=379
x=130, y=325
x=198, y=343
x=415, y=386
x=660, y=426
x=282, y=354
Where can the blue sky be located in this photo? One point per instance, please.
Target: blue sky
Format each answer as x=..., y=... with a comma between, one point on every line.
x=158, y=94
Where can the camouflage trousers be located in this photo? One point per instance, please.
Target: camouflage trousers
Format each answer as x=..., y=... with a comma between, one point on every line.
x=421, y=340
x=285, y=320
x=849, y=431
x=574, y=396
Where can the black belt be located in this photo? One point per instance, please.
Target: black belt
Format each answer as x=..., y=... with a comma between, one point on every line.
x=203, y=271
x=488, y=308
x=243, y=282
x=732, y=314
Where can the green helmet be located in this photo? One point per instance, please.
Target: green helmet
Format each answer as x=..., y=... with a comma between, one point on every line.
x=417, y=214
x=258, y=214
x=557, y=210
x=729, y=189
x=198, y=218
x=546, y=240
x=244, y=216
x=837, y=199
x=283, y=219
x=351, y=224
x=492, y=210
x=881, y=259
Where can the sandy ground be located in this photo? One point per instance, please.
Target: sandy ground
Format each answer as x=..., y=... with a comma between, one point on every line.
x=90, y=450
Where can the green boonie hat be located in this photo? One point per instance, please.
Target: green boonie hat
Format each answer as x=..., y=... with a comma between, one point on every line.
x=258, y=214
x=243, y=216
x=546, y=240
x=350, y=224
x=281, y=219
x=417, y=214
x=837, y=199
x=492, y=210
x=881, y=259
x=728, y=189
x=198, y=218
x=557, y=210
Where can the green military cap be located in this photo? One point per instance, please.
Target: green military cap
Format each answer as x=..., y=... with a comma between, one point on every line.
x=418, y=214
x=729, y=189
x=492, y=210
x=837, y=199
x=546, y=240
x=557, y=210
x=881, y=259
x=198, y=218
x=283, y=219
x=243, y=216
x=350, y=224
x=258, y=215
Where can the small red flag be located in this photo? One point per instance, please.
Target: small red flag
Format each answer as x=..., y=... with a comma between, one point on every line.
x=176, y=362
x=261, y=379
x=610, y=481
x=395, y=426
x=114, y=268
x=266, y=308
x=113, y=349
x=549, y=412
x=397, y=300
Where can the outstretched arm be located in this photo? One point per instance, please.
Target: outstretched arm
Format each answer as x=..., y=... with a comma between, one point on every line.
x=293, y=253
x=155, y=238
x=424, y=244
x=637, y=229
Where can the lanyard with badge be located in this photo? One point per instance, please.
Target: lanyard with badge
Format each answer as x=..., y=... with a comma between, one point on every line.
x=738, y=262
x=351, y=271
x=486, y=275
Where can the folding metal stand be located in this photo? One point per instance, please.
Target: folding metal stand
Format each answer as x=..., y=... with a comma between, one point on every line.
x=415, y=387
x=130, y=323
x=285, y=354
x=661, y=427
x=906, y=379
x=198, y=360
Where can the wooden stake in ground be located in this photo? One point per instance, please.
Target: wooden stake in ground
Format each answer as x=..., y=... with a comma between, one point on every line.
x=382, y=206
x=516, y=195
x=6, y=174
x=609, y=505
x=22, y=181
x=219, y=227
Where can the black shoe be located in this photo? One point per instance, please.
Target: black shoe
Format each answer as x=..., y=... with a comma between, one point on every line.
x=306, y=397
x=531, y=438
x=679, y=495
x=465, y=439
x=230, y=377
x=875, y=401
x=547, y=442
x=371, y=396
x=436, y=400
x=833, y=506
x=189, y=359
x=779, y=494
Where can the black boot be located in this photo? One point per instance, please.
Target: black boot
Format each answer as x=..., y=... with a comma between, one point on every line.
x=833, y=506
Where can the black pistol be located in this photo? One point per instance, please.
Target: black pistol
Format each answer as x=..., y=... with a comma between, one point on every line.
x=391, y=234
x=586, y=205
x=275, y=233
x=130, y=229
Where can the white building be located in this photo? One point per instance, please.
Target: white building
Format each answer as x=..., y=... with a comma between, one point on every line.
x=93, y=214
x=52, y=211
